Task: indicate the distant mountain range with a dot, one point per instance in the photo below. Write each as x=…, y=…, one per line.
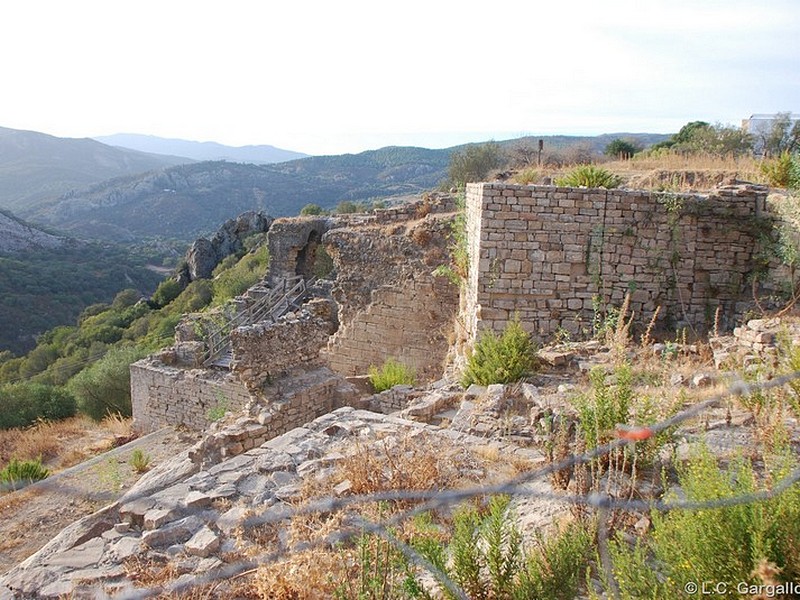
x=201, y=151
x=188, y=201
x=90, y=190
x=35, y=167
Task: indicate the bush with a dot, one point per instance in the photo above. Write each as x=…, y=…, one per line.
x=724, y=544
x=22, y=404
x=392, y=373
x=488, y=559
x=589, y=176
x=105, y=387
x=500, y=359
x=19, y=473
x=166, y=292
x=783, y=172
x=474, y=163
x=312, y=209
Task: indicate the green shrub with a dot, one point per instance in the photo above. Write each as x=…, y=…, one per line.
x=166, y=292
x=554, y=566
x=487, y=558
x=589, y=176
x=725, y=544
x=392, y=373
x=312, y=209
x=19, y=473
x=474, y=163
x=105, y=387
x=22, y=404
x=237, y=279
x=783, y=171
x=500, y=359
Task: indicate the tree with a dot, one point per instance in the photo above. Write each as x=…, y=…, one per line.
x=474, y=163
x=701, y=137
x=783, y=136
x=622, y=149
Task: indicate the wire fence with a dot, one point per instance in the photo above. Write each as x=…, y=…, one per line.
x=430, y=500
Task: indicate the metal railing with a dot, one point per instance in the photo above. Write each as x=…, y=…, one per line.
x=280, y=299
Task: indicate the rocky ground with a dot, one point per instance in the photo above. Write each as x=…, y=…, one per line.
x=206, y=522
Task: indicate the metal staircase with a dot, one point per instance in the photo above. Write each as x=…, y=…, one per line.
x=284, y=297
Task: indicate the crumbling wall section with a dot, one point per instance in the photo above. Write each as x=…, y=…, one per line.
x=409, y=322
x=289, y=239
x=389, y=303
x=557, y=256
x=266, y=350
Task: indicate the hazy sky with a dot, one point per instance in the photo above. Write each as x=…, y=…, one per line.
x=345, y=76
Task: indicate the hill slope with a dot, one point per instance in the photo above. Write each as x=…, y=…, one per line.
x=260, y=154
x=18, y=236
x=35, y=166
x=190, y=200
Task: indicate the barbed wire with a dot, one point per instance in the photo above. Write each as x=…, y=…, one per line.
x=430, y=500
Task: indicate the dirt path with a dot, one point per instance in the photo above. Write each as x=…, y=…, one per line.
x=31, y=517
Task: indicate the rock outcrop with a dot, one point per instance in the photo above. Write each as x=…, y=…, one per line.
x=205, y=254
x=18, y=236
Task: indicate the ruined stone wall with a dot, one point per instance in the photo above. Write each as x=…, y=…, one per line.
x=163, y=395
x=553, y=255
x=409, y=322
x=265, y=351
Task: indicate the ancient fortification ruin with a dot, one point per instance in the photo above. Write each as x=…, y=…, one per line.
x=555, y=258
x=287, y=359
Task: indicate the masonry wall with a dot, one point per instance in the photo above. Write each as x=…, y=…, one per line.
x=409, y=322
x=264, y=351
x=554, y=255
x=162, y=395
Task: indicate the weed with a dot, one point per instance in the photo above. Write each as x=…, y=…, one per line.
x=217, y=412
x=139, y=461
x=19, y=473
x=458, y=269
x=110, y=474
x=392, y=373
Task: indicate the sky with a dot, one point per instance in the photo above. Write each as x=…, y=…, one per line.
x=326, y=77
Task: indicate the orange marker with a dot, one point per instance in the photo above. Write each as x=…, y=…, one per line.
x=635, y=434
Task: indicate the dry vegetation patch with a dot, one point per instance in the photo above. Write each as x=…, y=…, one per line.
x=414, y=461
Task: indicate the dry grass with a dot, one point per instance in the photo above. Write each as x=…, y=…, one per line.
x=61, y=444
x=665, y=172
x=309, y=575
x=44, y=439
x=404, y=462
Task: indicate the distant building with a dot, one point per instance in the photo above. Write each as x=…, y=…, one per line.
x=760, y=126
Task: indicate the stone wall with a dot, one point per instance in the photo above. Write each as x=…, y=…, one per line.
x=266, y=350
x=554, y=255
x=409, y=322
x=163, y=395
